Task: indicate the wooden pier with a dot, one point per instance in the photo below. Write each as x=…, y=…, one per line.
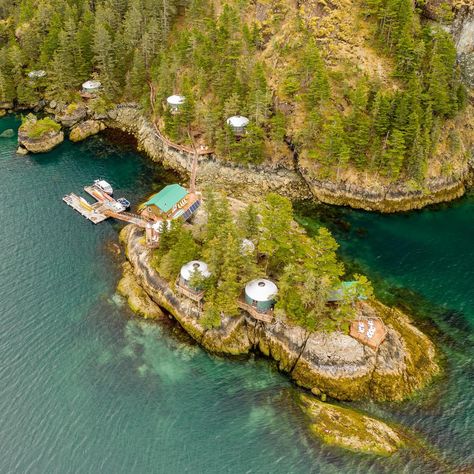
x=104, y=207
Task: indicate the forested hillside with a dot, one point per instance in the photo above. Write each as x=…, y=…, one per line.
x=364, y=87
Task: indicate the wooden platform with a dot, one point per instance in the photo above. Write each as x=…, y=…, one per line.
x=89, y=211
x=192, y=295
x=266, y=317
x=369, y=331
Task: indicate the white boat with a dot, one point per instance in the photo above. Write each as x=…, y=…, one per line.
x=103, y=186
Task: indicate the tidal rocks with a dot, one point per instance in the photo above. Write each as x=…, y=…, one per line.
x=333, y=364
x=137, y=299
x=71, y=115
x=350, y=429
x=3, y=113
x=39, y=136
x=21, y=151
x=85, y=129
x=9, y=133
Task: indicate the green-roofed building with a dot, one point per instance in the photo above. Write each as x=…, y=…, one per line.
x=167, y=201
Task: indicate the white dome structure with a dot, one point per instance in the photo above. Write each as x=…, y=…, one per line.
x=37, y=74
x=91, y=86
x=238, y=123
x=189, y=268
x=261, y=290
x=176, y=100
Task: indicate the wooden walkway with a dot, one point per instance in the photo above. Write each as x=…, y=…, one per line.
x=176, y=146
x=266, y=317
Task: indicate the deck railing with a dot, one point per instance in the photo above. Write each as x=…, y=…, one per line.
x=266, y=317
x=196, y=296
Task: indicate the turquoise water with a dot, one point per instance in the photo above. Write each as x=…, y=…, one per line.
x=86, y=388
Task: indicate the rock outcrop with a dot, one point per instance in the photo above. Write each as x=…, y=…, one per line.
x=349, y=429
x=86, y=129
x=71, y=115
x=43, y=140
x=331, y=363
x=463, y=33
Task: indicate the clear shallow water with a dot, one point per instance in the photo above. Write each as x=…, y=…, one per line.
x=86, y=388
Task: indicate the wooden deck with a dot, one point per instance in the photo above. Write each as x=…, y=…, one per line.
x=369, y=331
x=192, y=295
x=266, y=317
x=177, y=146
x=89, y=211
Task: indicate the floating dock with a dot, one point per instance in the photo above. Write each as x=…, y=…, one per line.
x=84, y=208
x=104, y=207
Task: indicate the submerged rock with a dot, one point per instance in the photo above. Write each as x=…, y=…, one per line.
x=86, y=129
x=3, y=113
x=9, y=133
x=350, y=429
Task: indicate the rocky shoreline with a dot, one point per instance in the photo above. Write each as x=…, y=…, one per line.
x=327, y=364
x=334, y=364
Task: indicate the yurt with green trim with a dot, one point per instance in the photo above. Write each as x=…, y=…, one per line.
x=261, y=294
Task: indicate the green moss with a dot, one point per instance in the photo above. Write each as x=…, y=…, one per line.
x=349, y=429
x=38, y=128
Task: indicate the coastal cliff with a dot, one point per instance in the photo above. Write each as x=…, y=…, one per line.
x=295, y=182
x=331, y=363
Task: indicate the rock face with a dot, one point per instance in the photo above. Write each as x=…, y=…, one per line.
x=349, y=429
x=334, y=364
x=85, y=129
x=463, y=32
x=391, y=198
x=241, y=182
x=41, y=144
x=137, y=299
x=296, y=183
x=71, y=115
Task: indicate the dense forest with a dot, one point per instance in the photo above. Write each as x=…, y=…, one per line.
x=306, y=269
x=376, y=106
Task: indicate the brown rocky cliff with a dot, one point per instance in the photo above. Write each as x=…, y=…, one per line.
x=334, y=363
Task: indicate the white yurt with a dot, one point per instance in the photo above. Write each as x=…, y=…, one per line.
x=238, y=124
x=175, y=102
x=188, y=269
x=261, y=294
x=91, y=86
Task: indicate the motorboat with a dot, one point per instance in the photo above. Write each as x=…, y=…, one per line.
x=125, y=202
x=103, y=186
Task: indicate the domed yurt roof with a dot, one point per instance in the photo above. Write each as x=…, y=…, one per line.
x=261, y=290
x=37, y=74
x=190, y=267
x=91, y=84
x=175, y=99
x=238, y=121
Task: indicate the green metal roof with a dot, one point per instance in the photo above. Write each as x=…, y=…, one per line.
x=167, y=197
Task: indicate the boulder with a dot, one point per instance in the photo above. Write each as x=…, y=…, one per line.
x=21, y=151
x=3, y=113
x=71, y=115
x=39, y=136
x=85, y=129
x=9, y=133
x=349, y=429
